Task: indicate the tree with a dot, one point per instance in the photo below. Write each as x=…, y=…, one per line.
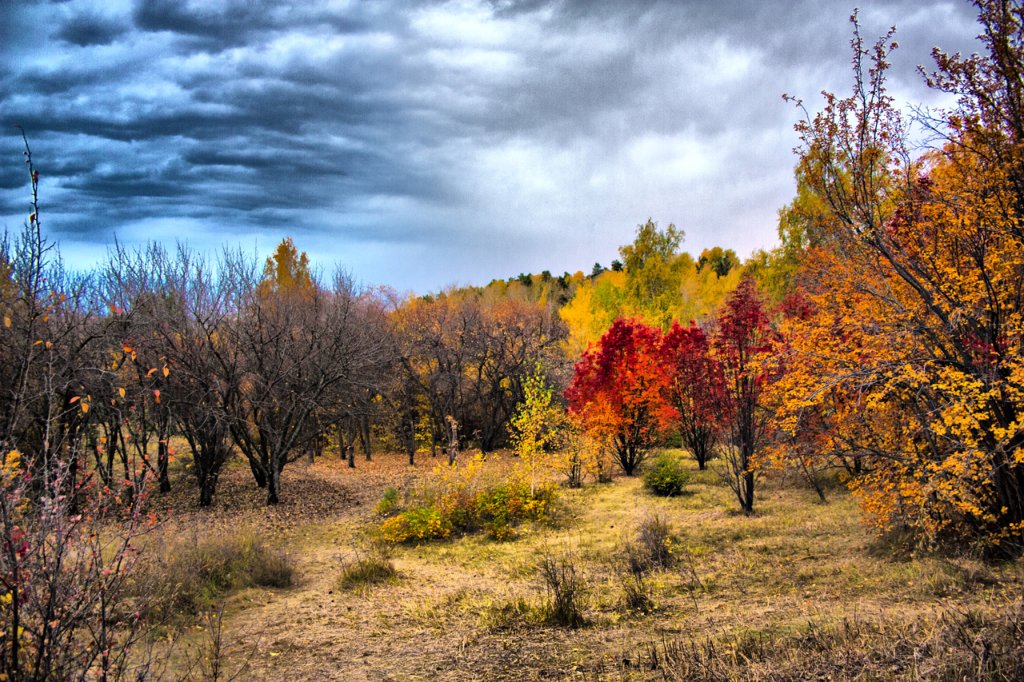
x=535, y=426
x=919, y=274
x=67, y=544
x=654, y=269
x=469, y=357
x=720, y=261
x=618, y=391
x=299, y=344
x=694, y=388
x=743, y=347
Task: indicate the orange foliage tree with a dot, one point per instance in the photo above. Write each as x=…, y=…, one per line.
x=912, y=361
x=618, y=391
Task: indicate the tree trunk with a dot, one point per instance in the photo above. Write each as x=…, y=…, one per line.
x=258, y=473
x=163, y=457
x=748, y=493
x=274, y=485
x=206, y=488
x=364, y=436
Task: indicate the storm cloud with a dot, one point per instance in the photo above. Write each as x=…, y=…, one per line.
x=424, y=144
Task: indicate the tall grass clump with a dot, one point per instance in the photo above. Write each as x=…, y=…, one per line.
x=371, y=566
x=566, y=588
x=650, y=550
x=191, y=576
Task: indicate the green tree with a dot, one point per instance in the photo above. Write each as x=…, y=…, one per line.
x=654, y=269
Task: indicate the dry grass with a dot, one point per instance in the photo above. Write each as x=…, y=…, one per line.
x=756, y=591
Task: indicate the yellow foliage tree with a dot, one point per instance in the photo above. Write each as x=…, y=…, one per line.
x=909, y=359
x=535, y=426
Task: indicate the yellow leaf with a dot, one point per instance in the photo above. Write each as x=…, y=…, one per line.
x=166, y=371
x=120, y=391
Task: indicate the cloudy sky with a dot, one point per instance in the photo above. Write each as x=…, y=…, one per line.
x=422, y=144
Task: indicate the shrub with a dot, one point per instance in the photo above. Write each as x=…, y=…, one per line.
x=651, y=550
x=654, y=542
x=418, y=523
x=389, y=503
x=566, y=589
x=462, y=503
x=666, y=476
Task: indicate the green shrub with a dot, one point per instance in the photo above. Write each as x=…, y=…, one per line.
x=389, y=503
x=666, y=476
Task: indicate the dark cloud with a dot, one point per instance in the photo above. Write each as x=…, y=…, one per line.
x=426, y=143
x=88, y=29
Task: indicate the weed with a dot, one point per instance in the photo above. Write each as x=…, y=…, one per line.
x=566, y=590
x=190, y=577
x=372, y=566
x=957, y=644
x=654, y=542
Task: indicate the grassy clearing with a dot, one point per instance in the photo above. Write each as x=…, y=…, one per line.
x=740, y=598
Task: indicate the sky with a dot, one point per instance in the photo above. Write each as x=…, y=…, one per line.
x=421, y=145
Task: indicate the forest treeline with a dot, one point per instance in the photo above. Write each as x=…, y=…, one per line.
x=892, y=312
x=881, y=338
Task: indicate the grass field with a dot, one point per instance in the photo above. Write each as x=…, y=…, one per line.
x=800, y=590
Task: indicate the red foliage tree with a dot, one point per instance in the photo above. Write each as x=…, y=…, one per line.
x=694, y=388
x=618, y=391
x=745, y=347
